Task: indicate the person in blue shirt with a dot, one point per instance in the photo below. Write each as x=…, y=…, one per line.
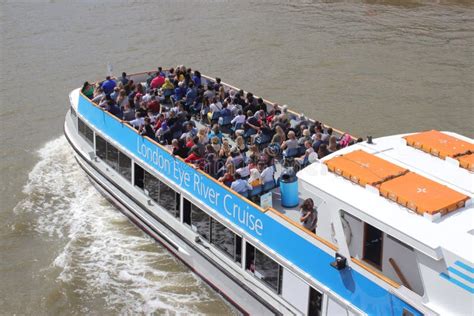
x=191, y=95
x=124, y=80
x=113, y=109
x=108, y=85
x=179, y=92
x=239, y=185
x=225, y=110
x=216, y=132
x=197, y=78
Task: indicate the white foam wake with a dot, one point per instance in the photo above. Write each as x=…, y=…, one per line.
x=104, y=255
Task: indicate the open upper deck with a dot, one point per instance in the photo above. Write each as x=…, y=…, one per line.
x=452, y=232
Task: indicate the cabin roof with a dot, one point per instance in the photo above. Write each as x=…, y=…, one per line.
x=450, y=185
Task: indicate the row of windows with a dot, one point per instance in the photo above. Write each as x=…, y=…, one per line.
x=262, y=266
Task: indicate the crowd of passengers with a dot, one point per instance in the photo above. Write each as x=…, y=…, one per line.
x=231, y=135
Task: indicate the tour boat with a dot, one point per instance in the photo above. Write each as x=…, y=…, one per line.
x=395, y=230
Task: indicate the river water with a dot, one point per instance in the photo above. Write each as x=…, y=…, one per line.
x=373, y=67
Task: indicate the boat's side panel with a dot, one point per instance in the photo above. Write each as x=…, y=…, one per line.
x=225, y=283
x=349, y=284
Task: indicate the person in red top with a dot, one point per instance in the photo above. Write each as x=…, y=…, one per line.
x=157, y=82
x=159, y=121
x=189, y=142
x=194, y=156
x=154, y=105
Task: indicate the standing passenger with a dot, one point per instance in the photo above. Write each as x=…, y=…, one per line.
x=309, y=216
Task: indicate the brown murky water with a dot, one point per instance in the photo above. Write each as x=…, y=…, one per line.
x=368, y=67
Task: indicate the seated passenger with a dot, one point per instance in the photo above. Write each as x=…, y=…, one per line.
x=264, y=134
x=305, y=137
x=88, y=90
x=215, y=144
x=225, y=112
x=236, y=157
x=128, y=113
x=323, y=151
x=190, y=131
x=255, y=178
x=124, y=80
x=239, y=185
x=291, y=142
x=197, y=78
x=146, y=129
x=229, y=174
x=252, y=124
x=225, y=149
x=113, y=109
x=267, y=173
x=178, y=148
x=193, y=156
x=122, y=99
x=317, y=141
x=202, y=134
x=333, y=145
x=238, y=120
x=345, y=140
x=209, y=94
x=309, y=216
x=154, y=104
x=325, y=136
x=304, y=159
x=279, y=136
x=179, y=92
x=167, y=89
x=98, y=94
x=240, y=144
x=191, y=95
x=157, y=82
x=216, y=132
x=214, y=108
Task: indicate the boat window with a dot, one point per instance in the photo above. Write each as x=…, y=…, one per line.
x=264, y=268
x=112, y=156
x=151, y=185
x=373, y=242
x=85, y=131
x=125, y=166
x=224, y=239
x=201, y=222
x=315, y=302
x=73, y=112
x=186, y=211
x=100, y=147
x=139, y=175
x=169, y=199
